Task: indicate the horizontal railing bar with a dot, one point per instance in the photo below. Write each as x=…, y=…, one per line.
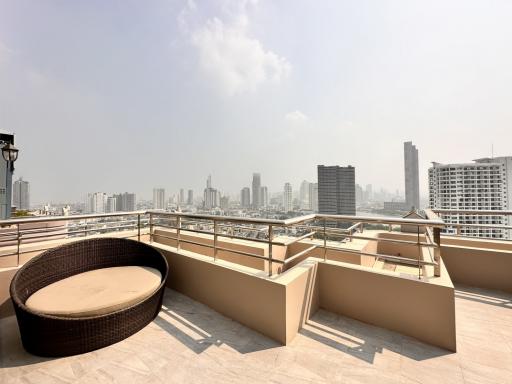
x=221, y=235
x=476, y=212
x=299, y=238
x=382, y=256
x=382, y=220
x=249, y=254
x=397, y=241
x=40, y=219
x=301, y=253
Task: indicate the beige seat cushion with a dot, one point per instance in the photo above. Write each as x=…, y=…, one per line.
x=96, y=292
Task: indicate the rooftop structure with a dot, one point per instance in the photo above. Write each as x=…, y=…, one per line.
x=260, y=300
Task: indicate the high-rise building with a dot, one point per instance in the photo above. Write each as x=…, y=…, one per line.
x=96, y=202
x=159, y=198
x=190, y=197
x=412, y=181
x=359, y=194
x=224, y=202
x=182, y=196
x=304, y=195
x=211, y=195
x=21, y=194
x=264, y=196
x=368, y=193
x=125, y=202
x=111, y=204
x=336, y=190
x=256, y=190
x=245, y=197
x=313, y=196
x=287, y=197
x=485, y=184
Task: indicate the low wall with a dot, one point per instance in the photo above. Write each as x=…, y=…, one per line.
x=478, y=267
x=276, y=308
x=415, y=308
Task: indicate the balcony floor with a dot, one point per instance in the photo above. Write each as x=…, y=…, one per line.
x=191, y=343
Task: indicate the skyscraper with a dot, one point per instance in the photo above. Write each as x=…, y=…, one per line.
x=190, y=197
x=256, y=190
x=304, y=195
x=125, y=202
x=245, y=197
x=159, y=198
x=336, y=190
x=182, y=196
x=111, y=204
x=96, y=202
x=313, y=196
x=287, y=197
x=485, y=184
x=264, y=196
x=21, y=194
x=412, y=182
x=211, y=195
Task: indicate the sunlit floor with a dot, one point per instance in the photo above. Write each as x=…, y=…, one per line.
x=191, y=343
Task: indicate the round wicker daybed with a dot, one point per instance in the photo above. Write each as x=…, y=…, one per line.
x=47, y=330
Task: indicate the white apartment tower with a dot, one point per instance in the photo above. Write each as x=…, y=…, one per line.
x=287, y=198
x=158, y=198
x=21, y=194
x=485, y=184
x=412, y=181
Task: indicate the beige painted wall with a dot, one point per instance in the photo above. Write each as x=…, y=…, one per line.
x=415, y=308
x=479, y=267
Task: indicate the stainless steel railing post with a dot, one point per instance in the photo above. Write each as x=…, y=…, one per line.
x=150, y=227
x=270, y=239
x=138, y=227
x=19, y=243
x=325, y=242
x=214, y=240
x=178, y=232
x=437, y=252
x=86, y=229
x=419, y=252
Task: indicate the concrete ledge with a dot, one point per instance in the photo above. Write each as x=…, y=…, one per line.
x=415, y=308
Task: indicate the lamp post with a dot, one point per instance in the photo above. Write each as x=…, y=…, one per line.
x=10, y=155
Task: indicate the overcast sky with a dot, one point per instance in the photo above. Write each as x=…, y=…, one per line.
x=127, y=95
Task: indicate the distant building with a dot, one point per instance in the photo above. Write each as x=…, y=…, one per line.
x=485, y=184
x=21, y=194
x=396, y=206
x=245, y=197
x=111, y=204
x=159, y=198
x=368, y=193
x=264, y=196
x=125, y=202
x=256, y=190
x=359, y=194
x=224, y=202
x=96, y=202
x=182, y=196
x=313, y=196
x=211, y=195
x=336, y=190
x=190, y=197
x=412, y=181
x=304, y=202
x=287, y=198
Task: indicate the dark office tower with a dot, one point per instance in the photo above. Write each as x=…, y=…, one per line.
x=412, y=182
x=256, y=190
x=336, y=190
x=190, y=197
x=245, y=197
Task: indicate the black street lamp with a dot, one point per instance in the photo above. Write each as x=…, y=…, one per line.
x=10, y=154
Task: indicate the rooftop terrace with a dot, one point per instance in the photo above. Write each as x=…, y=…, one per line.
x=296, y=301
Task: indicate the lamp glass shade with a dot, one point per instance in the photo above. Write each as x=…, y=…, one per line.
x=10, y=153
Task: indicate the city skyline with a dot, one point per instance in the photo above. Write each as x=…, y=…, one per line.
x=347, y=100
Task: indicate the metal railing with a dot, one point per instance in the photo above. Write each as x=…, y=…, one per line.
x=325, y=231
x=460, y=228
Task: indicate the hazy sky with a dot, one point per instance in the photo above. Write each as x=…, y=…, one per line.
x=127, y=95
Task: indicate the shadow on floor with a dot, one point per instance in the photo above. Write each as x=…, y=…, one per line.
x=199, y=327
x=484, y=296
x=12, y=353
x=364, y=341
